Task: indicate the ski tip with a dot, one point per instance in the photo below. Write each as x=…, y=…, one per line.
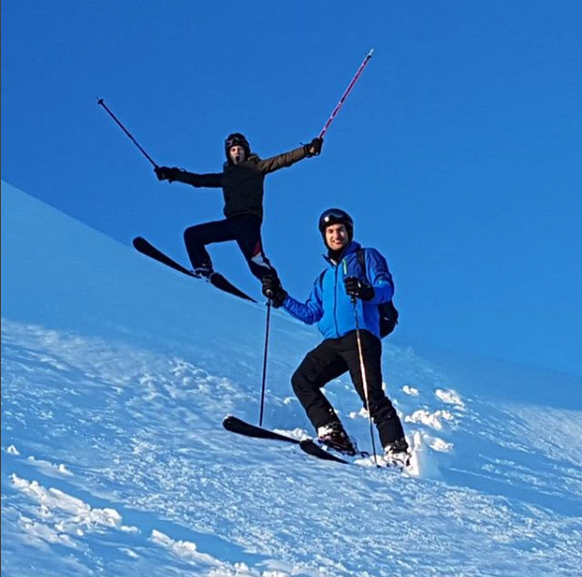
x=371, y=53
x=229, y=419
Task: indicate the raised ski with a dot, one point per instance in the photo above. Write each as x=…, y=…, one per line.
x=216, y=279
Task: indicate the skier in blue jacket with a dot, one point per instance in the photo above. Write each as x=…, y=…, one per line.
x=331, y=305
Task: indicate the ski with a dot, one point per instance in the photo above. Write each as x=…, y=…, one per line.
x=308, y=446
x=236, y=425
x=148, y=249
x=312, y=448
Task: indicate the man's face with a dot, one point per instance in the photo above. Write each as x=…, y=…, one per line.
x=237, y=154
x=336, y=236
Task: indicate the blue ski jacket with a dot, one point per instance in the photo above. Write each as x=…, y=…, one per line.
x=330, y=306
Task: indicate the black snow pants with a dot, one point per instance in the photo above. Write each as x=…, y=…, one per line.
x=245, y=230
x=332, y=358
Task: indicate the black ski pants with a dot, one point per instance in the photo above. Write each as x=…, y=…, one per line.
x=245, y=230
x=334, y=357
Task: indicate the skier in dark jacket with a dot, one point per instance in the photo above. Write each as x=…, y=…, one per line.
x=242, y=183
x=342, y=287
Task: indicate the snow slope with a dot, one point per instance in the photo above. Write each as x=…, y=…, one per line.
x=116, y=373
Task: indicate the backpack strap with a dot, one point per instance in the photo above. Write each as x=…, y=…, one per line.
x=361, y=256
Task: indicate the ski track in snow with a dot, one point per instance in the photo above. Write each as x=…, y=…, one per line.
x=115, y=453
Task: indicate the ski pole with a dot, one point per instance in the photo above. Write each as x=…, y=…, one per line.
x=363, y=370
x=268, y=323
x=364, y=380
x=101, y=102
x=346, y=93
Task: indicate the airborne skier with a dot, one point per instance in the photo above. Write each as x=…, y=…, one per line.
x=242, y=183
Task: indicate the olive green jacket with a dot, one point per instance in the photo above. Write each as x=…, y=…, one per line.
x=242, y=184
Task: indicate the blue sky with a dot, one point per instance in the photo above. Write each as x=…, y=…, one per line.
x=457, y=153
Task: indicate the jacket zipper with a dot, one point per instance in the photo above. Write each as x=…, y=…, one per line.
x=335, y=302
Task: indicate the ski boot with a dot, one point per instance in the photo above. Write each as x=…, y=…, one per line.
x=334, y=437
x=204, y=271
x=397, y=454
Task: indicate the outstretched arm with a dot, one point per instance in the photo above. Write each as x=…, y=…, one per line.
x=288, y=158
x=212, y=180
x=308, y=312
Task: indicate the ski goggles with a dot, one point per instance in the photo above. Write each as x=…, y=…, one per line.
x=236, y=141
x=334, y=216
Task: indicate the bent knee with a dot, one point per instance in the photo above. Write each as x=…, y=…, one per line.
x=300, y=382
x=192, y=233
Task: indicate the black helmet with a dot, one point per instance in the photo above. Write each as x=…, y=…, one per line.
x=336, y=216
x=236, y=139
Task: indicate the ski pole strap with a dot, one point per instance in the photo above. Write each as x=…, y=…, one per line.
x=346, y=93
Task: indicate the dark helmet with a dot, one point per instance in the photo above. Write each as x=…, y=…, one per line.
x=336, y=216
x=236, y=139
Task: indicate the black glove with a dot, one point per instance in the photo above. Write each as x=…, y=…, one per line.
x=356, y=288
x=273, y=290
x=314, y=147
x=166, y=173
